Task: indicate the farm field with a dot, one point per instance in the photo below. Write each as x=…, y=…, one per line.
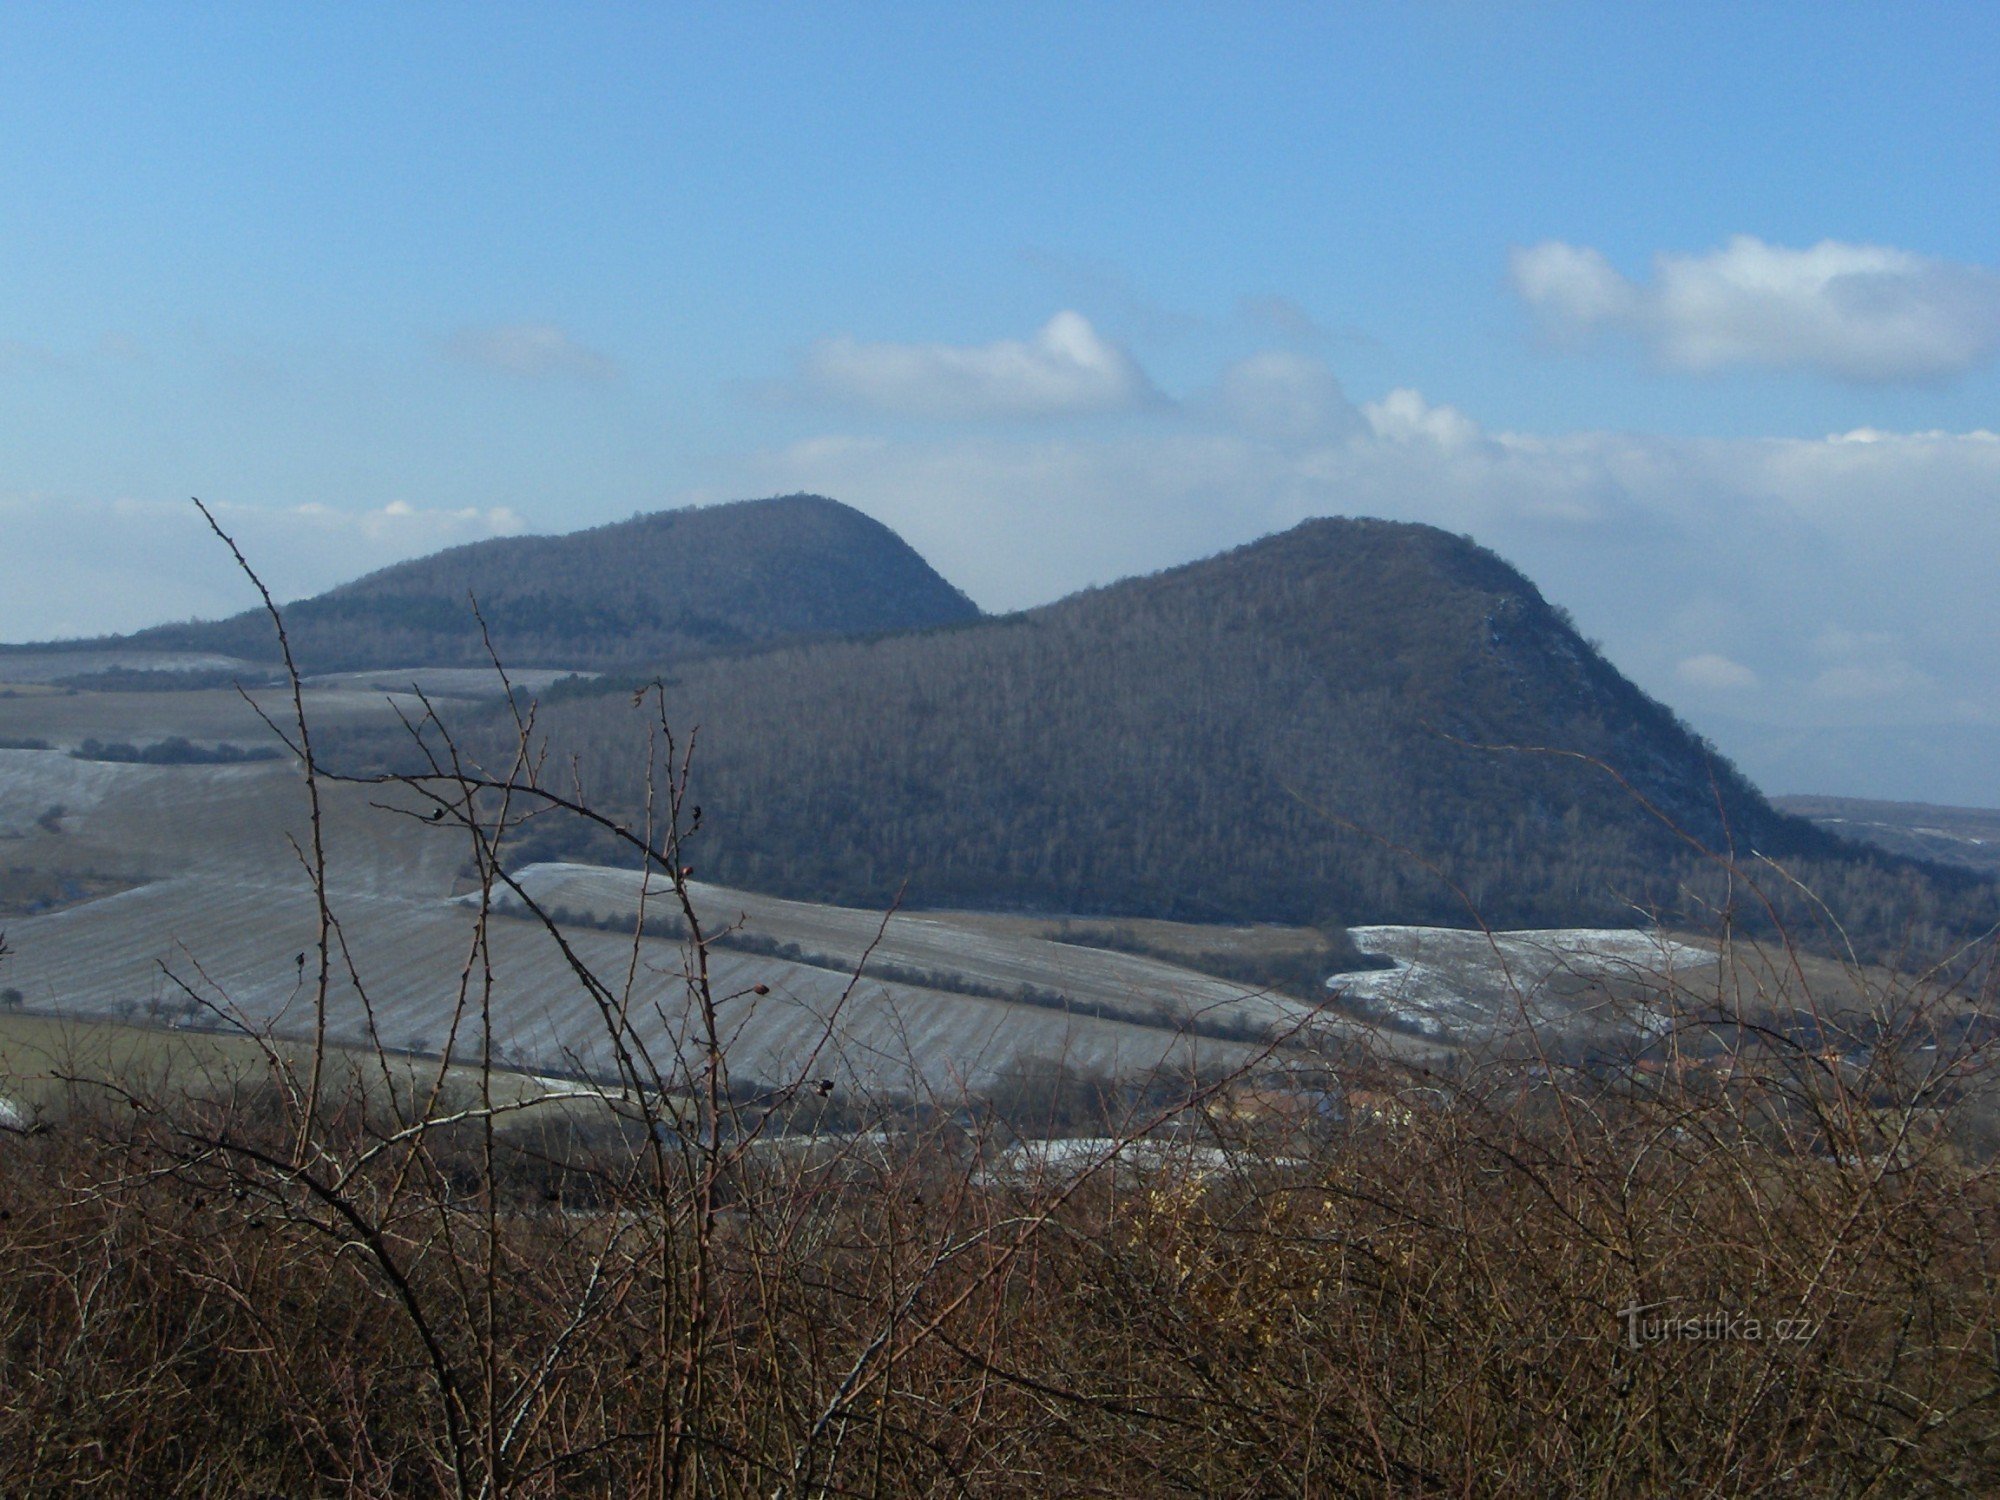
x=157, y=893
x=940, y=943
x=205, y=716
x=48, y=1062
x=1968, y=836
x=28, y=664
x=1475, y=986
x=447, y=682
x=219, y=910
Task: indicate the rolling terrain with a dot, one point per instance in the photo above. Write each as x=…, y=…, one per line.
x=1968, y=836
x=218, y=909
x=1352, y=722
x=1162, y=825
x=635, y=593
x=208, y=911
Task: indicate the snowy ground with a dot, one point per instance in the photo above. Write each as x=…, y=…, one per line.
x=448, y=682
x=205, y=716
x=220, y=909
x=224, y=910
x=48, y=666
x=939, y=943
x=1472, y=985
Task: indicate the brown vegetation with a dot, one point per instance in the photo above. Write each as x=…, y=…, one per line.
x=1298, y=731
x=1423, y=1291
x=1740, y=1261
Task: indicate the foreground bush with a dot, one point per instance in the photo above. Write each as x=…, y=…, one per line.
x=1755, y=1255
x=1434, y=1296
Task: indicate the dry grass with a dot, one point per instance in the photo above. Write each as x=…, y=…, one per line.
x=1426, y=1302
x=1732, y=1266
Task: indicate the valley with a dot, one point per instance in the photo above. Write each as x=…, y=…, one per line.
x=1314, y=916
x=1159, y=828
x=196, y=905
x=1967, y=836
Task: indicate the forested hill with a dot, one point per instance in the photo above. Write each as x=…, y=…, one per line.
x=1292, y=730
x=652, y=589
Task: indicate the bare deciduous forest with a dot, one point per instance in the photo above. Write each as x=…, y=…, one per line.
x=1352, y=721
x=651, y=589
x=1738, y=1259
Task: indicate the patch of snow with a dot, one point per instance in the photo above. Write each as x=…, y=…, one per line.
x=1067, y=1158
x=1455, y=982
x=33, y=781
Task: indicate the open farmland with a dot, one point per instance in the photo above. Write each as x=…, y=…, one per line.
x=180, y=897
x=1968, y=836
x=1476, y=986
x=940, y=944
x=50, y=1064
x=20, y=665
x=205, y=716
x=448, y=682
x=220, y=910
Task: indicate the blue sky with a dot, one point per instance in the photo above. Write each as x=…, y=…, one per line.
x=1060, y=292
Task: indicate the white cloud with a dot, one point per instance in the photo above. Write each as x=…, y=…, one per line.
x=1721, y=574
x=532, y=351
x=1067, y=368
x=156, y=560
x=1573, y=288
x=1404, y=416
x=1289, y=398
x=1857, y=312
x=1711, y=671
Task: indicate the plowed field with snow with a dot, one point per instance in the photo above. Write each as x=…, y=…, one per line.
x=212, y=907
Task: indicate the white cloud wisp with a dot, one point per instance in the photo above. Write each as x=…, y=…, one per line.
x=1863, y=313
x=1066, y=369
x=156, y=560
x=531, y=351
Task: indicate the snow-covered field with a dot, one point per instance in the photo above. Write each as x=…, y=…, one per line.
x=936, y=942
x=48, y=666
x=1065, y=1159
x=226, y=909
x=448, y=682
x=206, y=716
x=1471, y=986
x=220, y=908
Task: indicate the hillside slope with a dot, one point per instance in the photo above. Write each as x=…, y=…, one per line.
x=1968, y=836
x=1292, y=731
x=652, y=589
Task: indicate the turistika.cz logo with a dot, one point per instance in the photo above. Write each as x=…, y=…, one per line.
x=1710, y=1327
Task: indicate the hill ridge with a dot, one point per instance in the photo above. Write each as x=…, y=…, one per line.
x=656, y=587
x=1287, y=731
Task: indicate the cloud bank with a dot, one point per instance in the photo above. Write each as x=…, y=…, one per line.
x=155, y=560
x=1823, y=586
x=1865, y=313
x=1066, y=369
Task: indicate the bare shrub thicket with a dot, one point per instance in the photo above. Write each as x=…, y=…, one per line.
x=1750, y=1256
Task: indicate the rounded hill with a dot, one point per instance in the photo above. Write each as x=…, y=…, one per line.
x=654, y=588
x=1355, y=720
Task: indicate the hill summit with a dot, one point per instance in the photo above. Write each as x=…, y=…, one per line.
x=1302, y=728
x=654, y=588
